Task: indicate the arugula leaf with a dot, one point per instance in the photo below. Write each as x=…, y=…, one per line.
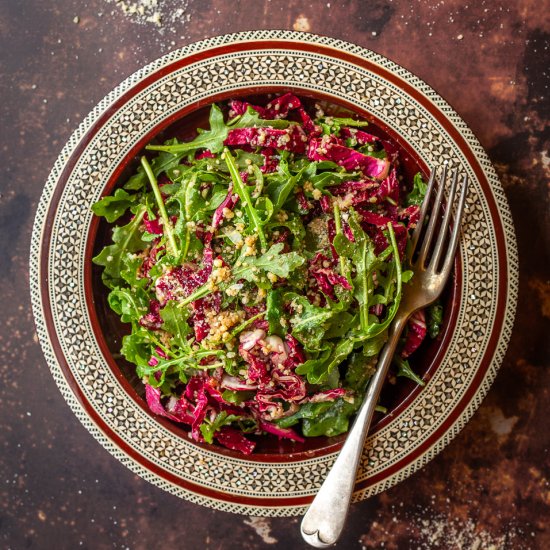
x=296, y=164
x=326, y=179
x=435, y=319
x=189, y=197
x=271, y=261
x=250, y=266
x=341, y=241
x=166, y=223
x=326, y=165
x=274, y=312
x=376, y=329
x=330, y=421
x=130, y=304
x=372, y=346
x=216, y=198
x=212, y=139
x=189, y=361
x=251, y=118
x=175, y=323
x=341, y=323
x=192, y=207
x=238, y=329
x=418, y=192
x=258, y=180
x=309, y=322
x=370, y=152
x=243, y=159
x=320, y=371
x=137, y=347
x=163, y=162
x=332, y=125
x=361, y=252
x=405, y=370
x=241, y=190
x=203, y=169
x=237, y=397
x=309, y=410
x=316, y=358
x=294, y=223
x=130, y=269
x=358, y=373
x=264, y=208
x=282, y=183
x=209, y=428
x=393, y=283
x=126, y=239
x=114, y=206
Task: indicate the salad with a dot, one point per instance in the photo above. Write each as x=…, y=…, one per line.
x=259, y=266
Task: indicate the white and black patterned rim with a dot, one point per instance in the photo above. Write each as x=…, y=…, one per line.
x=262, y=60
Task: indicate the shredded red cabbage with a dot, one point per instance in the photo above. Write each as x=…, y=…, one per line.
x=416, y=332
x=247, y=285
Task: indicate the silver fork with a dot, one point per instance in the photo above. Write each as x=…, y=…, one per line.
x=325, y=518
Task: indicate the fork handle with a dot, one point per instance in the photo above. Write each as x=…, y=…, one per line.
x=325, y=518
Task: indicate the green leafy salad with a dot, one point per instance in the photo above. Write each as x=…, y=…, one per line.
x=259, y=266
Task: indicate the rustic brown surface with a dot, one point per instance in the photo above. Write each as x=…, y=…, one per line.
x=489, y=487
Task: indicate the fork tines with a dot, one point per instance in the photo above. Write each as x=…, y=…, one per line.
x=429, y=257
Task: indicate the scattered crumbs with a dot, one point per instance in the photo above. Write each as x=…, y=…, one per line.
x=76, y=19
x=544, y=157
x=501, y=425
x=161, y=13
x=301, y=24
x=460, y=37
x=445, y=533
x=262, y=528
x=374, y=33
x=431, y=530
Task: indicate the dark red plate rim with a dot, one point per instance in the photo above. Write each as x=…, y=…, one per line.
x=45, y=247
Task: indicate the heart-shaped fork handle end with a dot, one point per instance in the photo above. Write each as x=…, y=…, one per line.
x=319, y=529
x=314, y=540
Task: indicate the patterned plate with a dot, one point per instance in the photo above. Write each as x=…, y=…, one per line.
x=108, y=140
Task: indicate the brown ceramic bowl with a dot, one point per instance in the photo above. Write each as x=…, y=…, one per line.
x=110, y=330
x=81, y=336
